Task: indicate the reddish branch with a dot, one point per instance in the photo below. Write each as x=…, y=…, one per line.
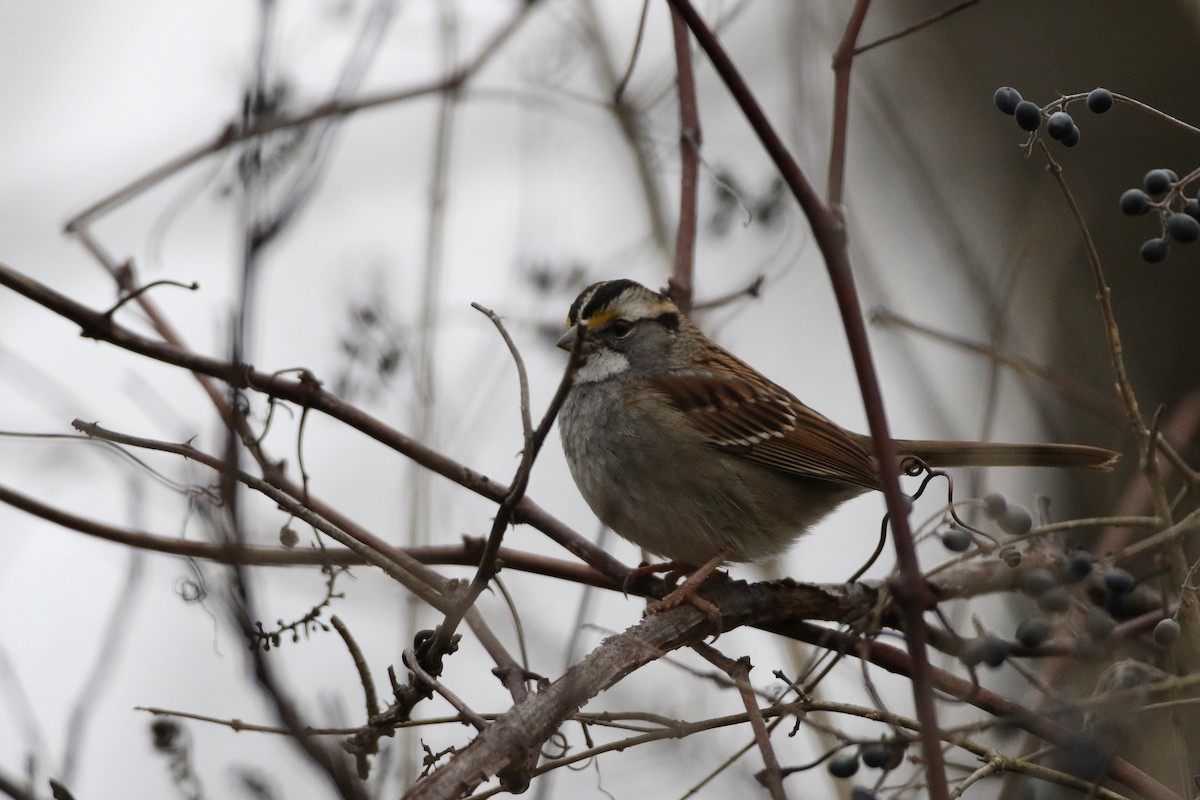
x=682, y=285
x=830, y=234
x=843, y=61
x=465, y=554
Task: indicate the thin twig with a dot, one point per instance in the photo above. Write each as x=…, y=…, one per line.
x=739, y=672
x=107, y=656
x=753, y=289
x=466, y=554
x=522, y=374
x=627, y=115
x=1112, y=332
x=925, y=23
x=412, y=662
x=432, y=652
x=136, y=293
x=1138, y=104
x=843, y=62
x=633, y=56
x=360, y=664
x=1103, y=404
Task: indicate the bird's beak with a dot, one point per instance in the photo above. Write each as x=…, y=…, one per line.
x=567, y=340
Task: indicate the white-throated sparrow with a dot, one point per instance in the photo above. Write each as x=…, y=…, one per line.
x=680, y=447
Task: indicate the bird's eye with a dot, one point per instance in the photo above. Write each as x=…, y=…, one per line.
x=621, y=328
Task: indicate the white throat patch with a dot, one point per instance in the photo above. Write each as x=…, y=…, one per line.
x=602, y=364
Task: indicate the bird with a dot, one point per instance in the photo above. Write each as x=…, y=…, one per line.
x=684, y=449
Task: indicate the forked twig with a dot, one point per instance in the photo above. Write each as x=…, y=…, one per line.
x=432, y=650
x=738, y=671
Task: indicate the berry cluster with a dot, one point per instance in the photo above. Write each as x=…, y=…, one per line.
x=1179, y=214
x=884, y=755
x=1060, y=125
x=1013, y=518
x=1051, y=591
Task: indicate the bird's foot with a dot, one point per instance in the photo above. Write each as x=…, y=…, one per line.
x=686, y=592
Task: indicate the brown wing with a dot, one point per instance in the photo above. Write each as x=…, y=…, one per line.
x=743, y=413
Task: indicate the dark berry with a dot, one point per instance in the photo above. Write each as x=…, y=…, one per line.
x=1079, y=566
x=994, y=505
x=1183, y=227
x=898, y=750
x=1122, y=605
x=1036, y=582
x=1158, y=181
x=1154, y=250
x=1028, y=115
x=995, y=651
x=1055, y=601
x=1016, y=520
x=876, y=754
x=1192, y=208
x=1034, y=631
x=1098, y=623
x=971, y=652
x=988, y=650
x=1072, y=138
x=843, y=766
x=957, y=539
x=861, y=793
x=1099, y=101
x=1006, y=98
x=1172, y=175
x=1059, y=125
x=1118, y=581
x=1134, y=202
x=1166, y=632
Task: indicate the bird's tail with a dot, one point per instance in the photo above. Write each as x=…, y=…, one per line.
x=988, y=454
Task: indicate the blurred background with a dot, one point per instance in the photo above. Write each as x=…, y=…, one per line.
x=554, y=165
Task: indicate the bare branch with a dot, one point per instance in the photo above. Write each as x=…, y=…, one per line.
x=682, y=284
x=307, y=392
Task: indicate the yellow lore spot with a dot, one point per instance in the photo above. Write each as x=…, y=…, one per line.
x=602, y=317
